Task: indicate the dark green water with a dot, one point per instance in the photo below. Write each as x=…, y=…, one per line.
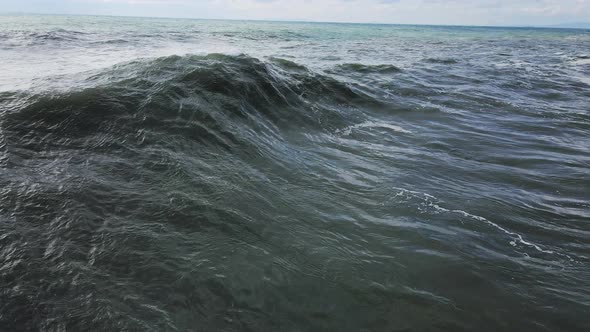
x=182, y=175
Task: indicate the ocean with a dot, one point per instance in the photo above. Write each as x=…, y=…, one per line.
x=202, y=175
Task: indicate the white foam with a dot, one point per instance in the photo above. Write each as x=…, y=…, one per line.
x=431, y=201
x=518, y=238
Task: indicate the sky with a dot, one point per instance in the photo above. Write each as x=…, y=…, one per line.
x=453, y=12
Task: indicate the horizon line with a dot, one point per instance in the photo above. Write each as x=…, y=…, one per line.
x=584, y=25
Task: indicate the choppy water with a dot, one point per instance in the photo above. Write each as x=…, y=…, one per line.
x=210, y=175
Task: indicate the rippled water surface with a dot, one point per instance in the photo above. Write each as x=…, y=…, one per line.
x=176, y=175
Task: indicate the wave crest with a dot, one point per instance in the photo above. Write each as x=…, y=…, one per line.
x=216, y=100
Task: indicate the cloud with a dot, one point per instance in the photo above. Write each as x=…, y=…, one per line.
x=479, y=12
x=416, y=11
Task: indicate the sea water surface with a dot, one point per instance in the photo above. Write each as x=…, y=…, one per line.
x=192, y=175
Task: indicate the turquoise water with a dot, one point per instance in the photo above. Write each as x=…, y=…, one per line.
x=190, y=175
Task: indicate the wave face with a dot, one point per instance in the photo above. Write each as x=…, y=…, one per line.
x=276, y=191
